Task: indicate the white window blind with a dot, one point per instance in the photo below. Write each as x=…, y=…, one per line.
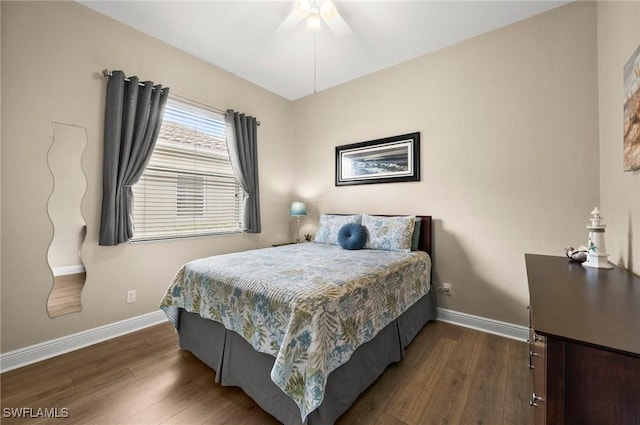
x=188, y=187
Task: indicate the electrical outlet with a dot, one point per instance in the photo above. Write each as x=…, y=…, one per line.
x=446, y=289
x=131, y=296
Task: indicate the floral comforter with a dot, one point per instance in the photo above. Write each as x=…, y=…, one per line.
x=309, y=305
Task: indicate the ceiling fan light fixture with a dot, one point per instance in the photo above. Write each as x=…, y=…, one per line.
x=327, y=10
x=301, y=8
x=314, y=21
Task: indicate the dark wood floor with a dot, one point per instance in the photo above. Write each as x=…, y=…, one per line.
x=451, y=375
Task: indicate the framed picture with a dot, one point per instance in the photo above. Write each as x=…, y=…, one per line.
x=631, y=150
x=388, y=160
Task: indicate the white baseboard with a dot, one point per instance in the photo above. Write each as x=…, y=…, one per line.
x=496, y=327
x=45, y=350
x=48, y=349
x=61, y=271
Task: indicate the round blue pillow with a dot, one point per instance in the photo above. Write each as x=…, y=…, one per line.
x=352, y=236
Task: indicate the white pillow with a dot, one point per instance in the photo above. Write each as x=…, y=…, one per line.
x=330, y=225
x=389, y=233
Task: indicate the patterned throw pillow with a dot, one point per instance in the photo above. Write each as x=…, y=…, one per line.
x=330, y=225
x=389, y=233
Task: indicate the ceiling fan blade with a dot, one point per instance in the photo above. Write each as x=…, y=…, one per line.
x=338, y=25
x=288, y=24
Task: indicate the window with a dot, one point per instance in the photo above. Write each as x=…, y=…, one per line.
x=188, y=187
x=190, y=196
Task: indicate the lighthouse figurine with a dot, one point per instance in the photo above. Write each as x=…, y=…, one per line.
x=596, y=251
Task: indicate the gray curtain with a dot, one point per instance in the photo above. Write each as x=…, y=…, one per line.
x=132, y=121
x=242, y=143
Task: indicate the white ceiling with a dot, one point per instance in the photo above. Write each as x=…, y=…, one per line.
x=240, y=36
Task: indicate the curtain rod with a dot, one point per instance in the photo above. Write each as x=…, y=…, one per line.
x=106, y=73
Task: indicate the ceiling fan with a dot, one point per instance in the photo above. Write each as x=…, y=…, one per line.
x=315, y=12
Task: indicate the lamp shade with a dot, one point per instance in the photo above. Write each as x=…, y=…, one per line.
x=298, y=209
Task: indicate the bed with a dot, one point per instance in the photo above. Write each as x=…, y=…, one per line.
x=304, y=329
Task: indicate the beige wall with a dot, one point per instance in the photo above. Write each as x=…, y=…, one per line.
x=52, y=53
x=521, y=137
x=618, y=37
x=509, y=127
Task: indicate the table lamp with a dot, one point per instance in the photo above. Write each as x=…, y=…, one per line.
x=298, y=209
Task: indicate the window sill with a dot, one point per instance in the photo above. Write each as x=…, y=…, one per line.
x=182, y=237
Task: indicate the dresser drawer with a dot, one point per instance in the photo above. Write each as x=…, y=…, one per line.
x=537, y=363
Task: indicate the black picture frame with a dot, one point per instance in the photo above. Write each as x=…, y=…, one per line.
x=389, y=160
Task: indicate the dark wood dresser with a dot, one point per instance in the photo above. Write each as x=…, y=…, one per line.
x=584, y=343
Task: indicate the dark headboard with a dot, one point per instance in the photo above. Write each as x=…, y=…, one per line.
x=425, y=243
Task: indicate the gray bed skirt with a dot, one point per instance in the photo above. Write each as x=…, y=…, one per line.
x=237, y=364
